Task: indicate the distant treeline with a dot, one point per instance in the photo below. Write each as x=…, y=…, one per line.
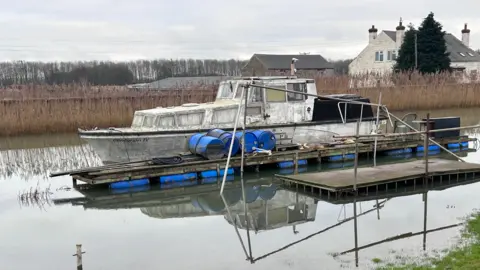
x=121, y=73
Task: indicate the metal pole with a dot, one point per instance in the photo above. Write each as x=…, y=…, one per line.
x=422, y=133
x=425, y=198
x=425, y=150
x=355, y=228
x=356, y=157
x=243, y=134
x=233, y=134
x=376, y=130
x=416, y=53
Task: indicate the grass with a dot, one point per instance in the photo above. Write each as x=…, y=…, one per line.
x=466, y=255
x=37, y=109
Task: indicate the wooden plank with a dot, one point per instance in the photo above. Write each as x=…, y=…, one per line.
x=343, y=179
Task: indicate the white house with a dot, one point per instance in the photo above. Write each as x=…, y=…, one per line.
x=381, y=51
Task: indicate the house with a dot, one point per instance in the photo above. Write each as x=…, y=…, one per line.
x=306, y=65
x=180, y=82
x=380, y=54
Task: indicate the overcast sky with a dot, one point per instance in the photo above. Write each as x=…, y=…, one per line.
x=145, y=29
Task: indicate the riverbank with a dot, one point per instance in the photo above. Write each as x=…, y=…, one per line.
x=56, y=109
x=465, y=255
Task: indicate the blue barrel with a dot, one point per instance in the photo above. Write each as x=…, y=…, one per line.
x=213, y=173
x=178, y=178
x=130, y=183
x=250, y=140
x=226, y=138
x=266, y=139
x=206, y=146
x=267, y=192
x=251, y=194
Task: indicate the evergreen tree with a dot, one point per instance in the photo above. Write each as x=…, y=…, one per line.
x=406, y=54
x=431, y=47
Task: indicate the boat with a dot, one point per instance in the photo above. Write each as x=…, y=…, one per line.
x=294, y=118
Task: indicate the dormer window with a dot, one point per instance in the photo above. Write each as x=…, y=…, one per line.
x=471, y=54
x=462, y=54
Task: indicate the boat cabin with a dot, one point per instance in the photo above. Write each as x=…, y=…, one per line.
x=264, y=107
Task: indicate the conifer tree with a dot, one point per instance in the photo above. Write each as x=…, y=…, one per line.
x=432, y=55
x=406, y=55
x=432, y=49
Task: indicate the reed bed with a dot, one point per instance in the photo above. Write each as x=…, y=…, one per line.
x=408, y=91
x=36, y=109
x=52, y=115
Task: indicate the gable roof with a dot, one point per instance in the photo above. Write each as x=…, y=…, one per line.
x=391, y=34
x=283, y=61
x=454, y=47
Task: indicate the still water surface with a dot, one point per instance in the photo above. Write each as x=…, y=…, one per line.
x=185, y=231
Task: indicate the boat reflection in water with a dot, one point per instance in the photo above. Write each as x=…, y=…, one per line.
x=269, y=206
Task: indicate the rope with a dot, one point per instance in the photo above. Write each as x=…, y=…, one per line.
x=167, y=160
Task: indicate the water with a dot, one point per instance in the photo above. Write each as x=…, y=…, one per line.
x=179, y=232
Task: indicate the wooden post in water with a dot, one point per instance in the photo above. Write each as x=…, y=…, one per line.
x=295, y=160
x=79, y=257
x=356, y=156
x=425, y=150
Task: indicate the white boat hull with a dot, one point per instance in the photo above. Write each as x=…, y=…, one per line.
x=126, y=147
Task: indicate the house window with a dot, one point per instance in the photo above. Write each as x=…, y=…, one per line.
x=462, y=54
x=471, y=54
x=379, y=56
x=392, y=55
x=299, y=87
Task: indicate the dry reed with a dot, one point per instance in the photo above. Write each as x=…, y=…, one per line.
x=35, y=197
x=35, y=109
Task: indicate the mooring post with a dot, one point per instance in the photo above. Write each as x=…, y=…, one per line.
x=356, y=157
x=376, y=130
x=295, y=160
x=425, y=150
x=425, y=199
x=79, y=257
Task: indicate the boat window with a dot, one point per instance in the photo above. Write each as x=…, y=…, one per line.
x=275, y=95
x=189, y=119
x=300, y=87
x=240, y=89
x=165, y=121
x=137, y=121
x=225, y=91
x=148, y=120
x=257, y=94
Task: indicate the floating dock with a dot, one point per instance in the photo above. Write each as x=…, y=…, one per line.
x=191, y=168
x=384, y=178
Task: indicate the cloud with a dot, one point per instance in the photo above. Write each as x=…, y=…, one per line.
x=122, y=30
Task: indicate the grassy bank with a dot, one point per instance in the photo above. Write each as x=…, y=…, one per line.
x=35, y=109
x=464, y=256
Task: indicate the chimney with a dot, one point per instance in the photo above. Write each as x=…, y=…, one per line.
x=466, y=36
x=400, y=34
x=372, y=34
x=292, y=67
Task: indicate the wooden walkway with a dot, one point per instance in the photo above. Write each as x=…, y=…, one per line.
x=148, y=169
x=383, y=177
